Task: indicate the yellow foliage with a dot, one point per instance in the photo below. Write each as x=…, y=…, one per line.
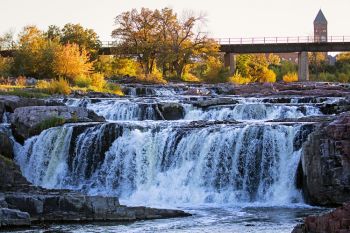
x=290, y=77
x=267, y=76
x=70, y=62
x=82, y=81
x=42, y=84
x=155, y=77
x=21, y=81
x=5, y=66
x=60, y=86
x=188, y=77
x=237, y=78
x=98, y=81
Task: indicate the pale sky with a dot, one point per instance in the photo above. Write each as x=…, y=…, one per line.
x=226, y=18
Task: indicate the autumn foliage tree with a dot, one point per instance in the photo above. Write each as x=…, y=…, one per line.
x=70, y=61
x=160, y=37
x=38, y=56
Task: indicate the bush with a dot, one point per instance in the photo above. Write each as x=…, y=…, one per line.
x=237, y=78
x=98, y=81
x=82, y=81
x=60, y=86
x=114, y=89
x=290, y=77
x=21, y=81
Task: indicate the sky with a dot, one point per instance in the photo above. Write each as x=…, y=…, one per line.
x=225, y=18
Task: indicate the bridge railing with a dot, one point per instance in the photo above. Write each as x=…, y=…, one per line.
x=264, y=40
x=281, y=40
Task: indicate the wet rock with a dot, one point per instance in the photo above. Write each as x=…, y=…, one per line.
x=171, y=111
x=13, y=218
x=337, y=221
x=10, y=175
x=9, y=103
x=5, y=145
x=326, y=163
x=213, y=102
x=30, y=121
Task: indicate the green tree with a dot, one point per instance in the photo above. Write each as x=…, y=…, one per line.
x=87, y=39
x=53, y=33
x=137, y=35
x=255, y=68
x=27, y=60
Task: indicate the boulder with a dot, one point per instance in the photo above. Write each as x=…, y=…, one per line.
x=337, y=221
x=215, y=101
x=326, y=163
x=171, y=111
x=13, y=218
x=30, y=121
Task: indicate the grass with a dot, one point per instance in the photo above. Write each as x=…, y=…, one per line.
x=22, y=92
x=49, y=123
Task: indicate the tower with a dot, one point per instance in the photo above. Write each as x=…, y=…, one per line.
x=320, y=28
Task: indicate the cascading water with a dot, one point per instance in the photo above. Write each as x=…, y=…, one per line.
x=147, y=109
x=177, y=164
x=202, y=161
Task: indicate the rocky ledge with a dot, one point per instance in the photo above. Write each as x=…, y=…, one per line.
x=29, y=121
x=22, y=204
x=325, y=172
x=337, y=221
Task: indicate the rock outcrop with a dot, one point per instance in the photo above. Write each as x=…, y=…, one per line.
x=22, y=204
x=326, y=163
x=30, y=121
x=171, y=111
x=10, y=103
x=10, y=175
x=5, y=145
x=13, y=218
x=337, y=221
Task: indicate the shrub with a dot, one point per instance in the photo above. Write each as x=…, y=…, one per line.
x=98, y=81
x=290, y=77
x=60, y=86
x=237, y=78
x=42, y=84
x=114, y=89
x=21, y=81
x=82, y=81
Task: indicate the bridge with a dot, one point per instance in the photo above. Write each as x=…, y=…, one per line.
x=254, y=45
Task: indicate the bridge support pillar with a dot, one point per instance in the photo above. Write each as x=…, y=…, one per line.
x=230, y=62
x=303, y=69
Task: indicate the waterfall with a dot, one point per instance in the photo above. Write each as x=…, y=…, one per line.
x=252, y=111
x=176, y=163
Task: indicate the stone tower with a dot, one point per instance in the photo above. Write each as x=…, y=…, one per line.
x=320, y=28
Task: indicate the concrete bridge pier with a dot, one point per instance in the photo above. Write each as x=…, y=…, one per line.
x=303, y=66
x=230, y=62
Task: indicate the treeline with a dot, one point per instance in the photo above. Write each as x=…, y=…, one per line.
x=151, y=45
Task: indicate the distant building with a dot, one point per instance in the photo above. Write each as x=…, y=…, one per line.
x=320, y=28
x=320, y=35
